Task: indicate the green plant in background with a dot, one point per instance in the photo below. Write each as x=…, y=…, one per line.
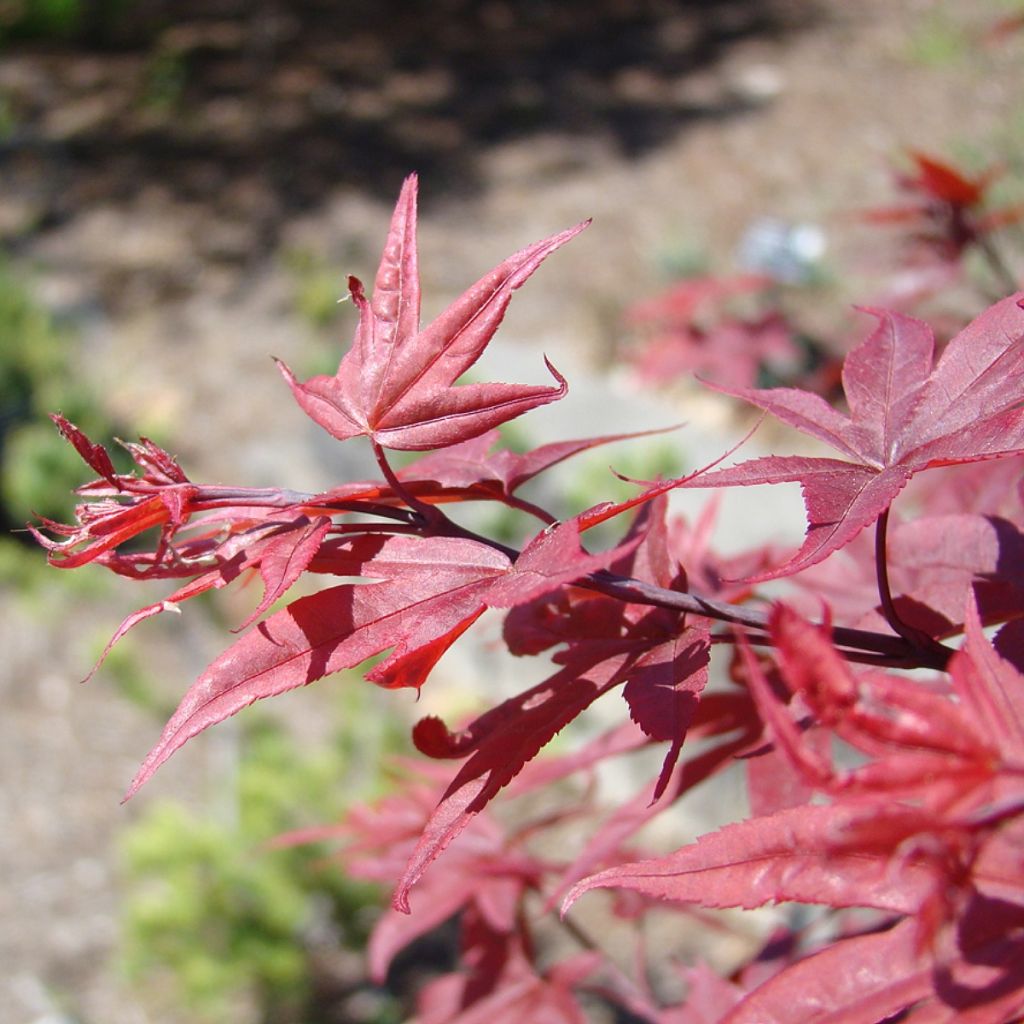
x=60, y=19
x=40, y=19
x=938, y=41
x=318, y=287
x=8, y=121
x=35, y=378
x=220, y=923
x=658, y=460
x=682, y=258
x=165, y=80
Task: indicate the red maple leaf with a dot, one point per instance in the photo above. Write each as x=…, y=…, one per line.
x=946, y=208
x=933, y=562
x=905, y=416
x=428, y=592
x=929, y=827
x=501, y=742
x=396, y=383
x=474, y=469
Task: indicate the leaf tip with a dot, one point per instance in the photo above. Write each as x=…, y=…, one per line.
x=571, y=897
x=563, y=384
x=285, y=371
x=400, y=900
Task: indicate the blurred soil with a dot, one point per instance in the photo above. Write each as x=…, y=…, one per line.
x=189, y=186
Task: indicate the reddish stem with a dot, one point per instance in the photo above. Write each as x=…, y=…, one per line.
x=916, y=638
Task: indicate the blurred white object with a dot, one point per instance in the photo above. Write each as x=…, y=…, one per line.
x=790, y=253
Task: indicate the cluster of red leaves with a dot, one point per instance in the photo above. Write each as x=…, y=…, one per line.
x=899, y=795
x=735, y=330
x=694, y=327
x=946, y=215
x=946, y=211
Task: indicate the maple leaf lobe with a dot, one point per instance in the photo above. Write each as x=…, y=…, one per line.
x=396, y=384
x=906, y=415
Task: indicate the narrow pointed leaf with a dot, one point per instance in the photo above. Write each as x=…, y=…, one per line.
x=285, y=558
x=535, y=717
x=791, y=855
x=992, y=688
x=663, y=691
x=94, y=455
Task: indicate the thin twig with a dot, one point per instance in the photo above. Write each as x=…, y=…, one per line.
x=638, y=1001
x=909, y=648
x=639, y=592
x=998, y=265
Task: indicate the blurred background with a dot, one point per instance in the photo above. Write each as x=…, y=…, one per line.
x=183, y=188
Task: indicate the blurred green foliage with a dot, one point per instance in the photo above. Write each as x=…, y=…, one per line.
x=607, y=477
x=319, y=287
x=41, y=18
x=38, y=469
x=937, y=40
x=165, y=80
x=60, y=19
x=8, y=122
x=218, y=922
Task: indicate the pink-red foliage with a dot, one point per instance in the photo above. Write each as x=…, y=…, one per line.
x=904, y=416
x=690, y=328
x=946, y=210
x=896, y=796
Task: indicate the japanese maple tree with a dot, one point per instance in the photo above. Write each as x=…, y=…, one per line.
x=892, y=799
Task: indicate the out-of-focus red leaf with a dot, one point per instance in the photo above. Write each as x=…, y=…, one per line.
x=509, y=736
x=944, y=182
x=679, y=303
x=486, y=876
x=866, y=978
x=523, y=995
x=607, y=844
x=688, y=329
x=732, y=354
x=709, y=998
x=1006, y=26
